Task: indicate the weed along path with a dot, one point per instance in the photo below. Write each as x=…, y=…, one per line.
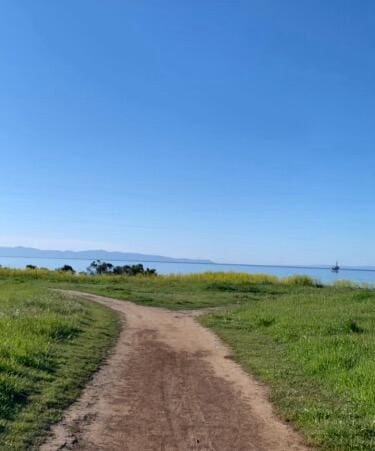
x=170, y=384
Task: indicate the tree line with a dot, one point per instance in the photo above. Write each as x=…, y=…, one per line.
x=97, y=267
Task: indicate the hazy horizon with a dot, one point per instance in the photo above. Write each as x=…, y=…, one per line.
x=172, y=257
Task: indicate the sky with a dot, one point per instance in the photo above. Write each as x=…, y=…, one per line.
x=240, y=131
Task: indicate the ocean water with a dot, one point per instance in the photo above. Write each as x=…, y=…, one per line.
x=325, y=275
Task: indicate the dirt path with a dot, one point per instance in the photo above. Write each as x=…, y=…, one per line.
x=170, y=385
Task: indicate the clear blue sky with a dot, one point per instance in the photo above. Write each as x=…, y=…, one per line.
x=241, y=131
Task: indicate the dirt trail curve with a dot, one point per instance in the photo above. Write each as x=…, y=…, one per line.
x=169, y=385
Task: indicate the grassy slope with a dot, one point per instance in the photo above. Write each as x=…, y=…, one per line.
x=316, y=350
x=182, y=292
x=174, y=292
x=314, y=346
x=49, y=347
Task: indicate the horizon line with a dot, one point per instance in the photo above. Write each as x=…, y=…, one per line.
x=192, y=262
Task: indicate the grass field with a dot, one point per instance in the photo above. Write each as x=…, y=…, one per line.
x=314, y=346
x=178, y=292
x=49, y=347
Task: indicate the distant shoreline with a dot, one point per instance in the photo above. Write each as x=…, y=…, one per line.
x=184, y=262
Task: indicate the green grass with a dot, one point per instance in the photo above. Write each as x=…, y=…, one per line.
x=316, y=350
x=175, y=292
x=313, y=345
x=49, y=347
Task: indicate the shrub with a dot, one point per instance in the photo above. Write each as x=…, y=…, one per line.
x=302, y=280
x=345, y=284
x=66, y=268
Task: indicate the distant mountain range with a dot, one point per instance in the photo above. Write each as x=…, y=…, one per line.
x=29, y=252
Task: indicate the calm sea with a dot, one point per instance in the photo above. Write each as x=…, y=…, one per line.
x=323, y=274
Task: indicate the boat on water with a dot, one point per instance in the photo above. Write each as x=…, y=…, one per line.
x=335, y=268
